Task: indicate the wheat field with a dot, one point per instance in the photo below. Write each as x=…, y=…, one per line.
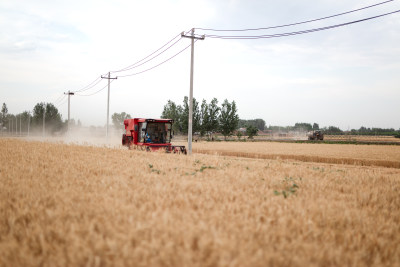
x=365, y=155
x=363, y=138
x=73, y=205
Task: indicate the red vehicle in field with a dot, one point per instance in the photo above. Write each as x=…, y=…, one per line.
x=150, y=135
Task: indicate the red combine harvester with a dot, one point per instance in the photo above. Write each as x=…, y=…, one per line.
x=150, y=135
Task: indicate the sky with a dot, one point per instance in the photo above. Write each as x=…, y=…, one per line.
x=347, y=77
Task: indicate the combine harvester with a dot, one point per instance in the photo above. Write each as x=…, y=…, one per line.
x=315, y=135
x=150, y=135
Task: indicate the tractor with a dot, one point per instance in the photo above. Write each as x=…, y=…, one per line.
x=315, y=135
x=150, y=135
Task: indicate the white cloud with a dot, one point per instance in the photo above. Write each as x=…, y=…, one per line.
x=48, y=47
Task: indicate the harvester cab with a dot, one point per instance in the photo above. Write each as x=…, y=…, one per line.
x=150, y=135
x=315, y=135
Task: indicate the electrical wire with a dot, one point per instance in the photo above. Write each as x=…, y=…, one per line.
x=96, y=91
x=90, y=85
x=150, y=57
x=134, y=64
x=157, y=64
x=62, y=103
x=297, y=23
x=59, y=99
x=297, y=32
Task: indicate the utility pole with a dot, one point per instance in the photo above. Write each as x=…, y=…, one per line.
x=191, y=88
x=69, y=95
x=108, y=101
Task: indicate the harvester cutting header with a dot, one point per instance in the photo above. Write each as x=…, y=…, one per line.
x=150, y=135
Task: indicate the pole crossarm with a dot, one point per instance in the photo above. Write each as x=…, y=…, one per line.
x=192, y=36
x=110, y=78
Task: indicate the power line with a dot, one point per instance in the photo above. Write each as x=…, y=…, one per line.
x=90, y=85
x=136, y=66
x=96, y=91
x=296, y=23
x=59, y=99
x=130, y=66
x=157, y=64
x=62, y=103
x=156, y=54
x=297, y=32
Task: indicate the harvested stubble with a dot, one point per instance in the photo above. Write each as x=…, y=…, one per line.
x=78, y=205
x=364, y=155
x=363, y=138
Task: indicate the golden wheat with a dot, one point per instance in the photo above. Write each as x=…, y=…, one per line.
x=363, y=138
x=364, y=155
x=79, y=205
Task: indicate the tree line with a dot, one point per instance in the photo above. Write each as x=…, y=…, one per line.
x=34, y=121
x=333, y=130
x=208, y=118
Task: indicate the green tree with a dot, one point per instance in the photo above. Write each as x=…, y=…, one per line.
x=251, y=131
x=315, y=126
x=259, y=123
x=118, y=119
x=185, y=116
x=212, y=122
x=10, y=118
x=239, y=134
x=4, y=115
x=53, y=121
x=26, y=118
x=333, y=130
x=228, y=119
x=303, y=126
x=173, y=111
x=204, y=117
x=37, y=118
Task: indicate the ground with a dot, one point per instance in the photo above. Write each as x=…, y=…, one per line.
x=67, y=204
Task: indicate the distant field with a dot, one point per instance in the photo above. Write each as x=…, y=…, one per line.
x=80, y=205
x=370, y=155
x=363, y=138
x=341, y=138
